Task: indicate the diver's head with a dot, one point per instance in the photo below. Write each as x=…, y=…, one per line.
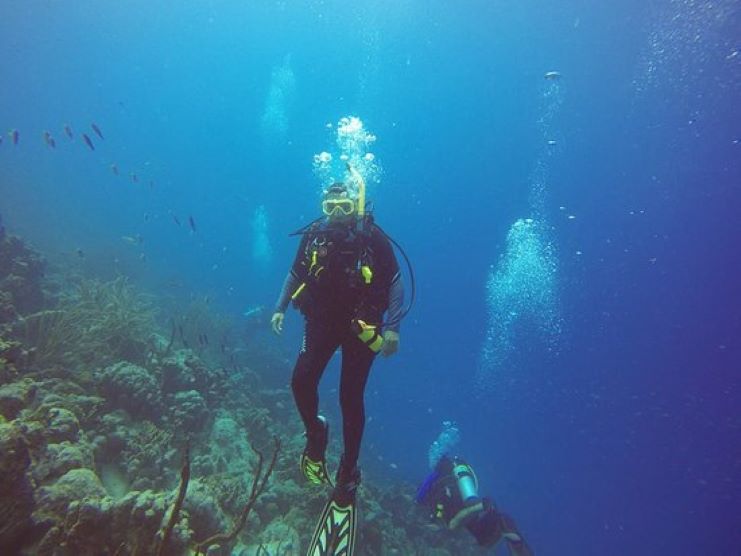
x=338, y=205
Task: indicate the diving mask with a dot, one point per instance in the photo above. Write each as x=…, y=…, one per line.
x=336, y=207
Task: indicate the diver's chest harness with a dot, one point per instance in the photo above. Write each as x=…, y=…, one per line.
x=337, y=265
x=339, y=259
x=337, y=272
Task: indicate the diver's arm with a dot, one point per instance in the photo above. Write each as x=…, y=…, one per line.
x=290, y=285
x=396, y=301
x=292, y=281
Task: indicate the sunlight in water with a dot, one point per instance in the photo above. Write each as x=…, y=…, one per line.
x=279, y=101
x=685, y=38
x=262, y=251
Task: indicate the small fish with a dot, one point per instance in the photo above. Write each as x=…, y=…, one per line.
x=151, y=184
x=552, y=75
x=96, y=129
x=143, y=257
x=49, y=140
x=88, y=142
x=114, y=169
x=253, y=312
x=205, y=338
x=192, y=223
x=68, y=131
x=134, y=240
x=80, y=253
x=175, y=218
x=223, y=348
x=200, y=339
x=14, y=136
x=134, y=177
x=552, y=143
x=146, y=217
x=1, y=139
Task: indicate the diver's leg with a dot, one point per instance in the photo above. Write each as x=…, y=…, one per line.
x=318, y=345
x=516, y=544
x=357, y=359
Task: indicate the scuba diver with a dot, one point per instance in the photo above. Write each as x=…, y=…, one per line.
x=450, y=492
x=344, y=278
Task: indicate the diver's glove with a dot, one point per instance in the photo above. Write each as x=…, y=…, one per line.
x=390, y=343
x=276, y=322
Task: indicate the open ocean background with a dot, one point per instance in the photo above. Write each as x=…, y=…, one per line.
x=611, y=427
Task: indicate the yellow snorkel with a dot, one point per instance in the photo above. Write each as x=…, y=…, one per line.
x=366, y=271
x=361, y=189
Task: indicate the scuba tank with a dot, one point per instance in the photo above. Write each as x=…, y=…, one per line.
x=465, y=478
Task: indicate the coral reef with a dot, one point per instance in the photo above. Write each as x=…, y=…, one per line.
x=131, y=388
x=98, y=411
x=21, y=270
x=99, y=524
x=203, y=330
x=97, y=322
x=259, y=482
x=16, y=488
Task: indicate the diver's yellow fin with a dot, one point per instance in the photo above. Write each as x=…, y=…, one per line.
x=315, y=471
x=336, y=531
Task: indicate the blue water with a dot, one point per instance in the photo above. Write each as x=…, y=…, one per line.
x=618, y=433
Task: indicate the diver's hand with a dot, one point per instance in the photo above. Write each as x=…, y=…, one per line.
x=390, y=343
x=276, y=322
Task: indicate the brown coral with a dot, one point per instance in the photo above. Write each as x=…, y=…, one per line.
x=97, y=322
x=21, y=270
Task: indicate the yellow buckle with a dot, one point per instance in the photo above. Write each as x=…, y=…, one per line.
x=367, y=273
x=298, y=290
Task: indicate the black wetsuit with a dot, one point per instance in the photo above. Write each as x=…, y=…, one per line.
x=334, y=292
